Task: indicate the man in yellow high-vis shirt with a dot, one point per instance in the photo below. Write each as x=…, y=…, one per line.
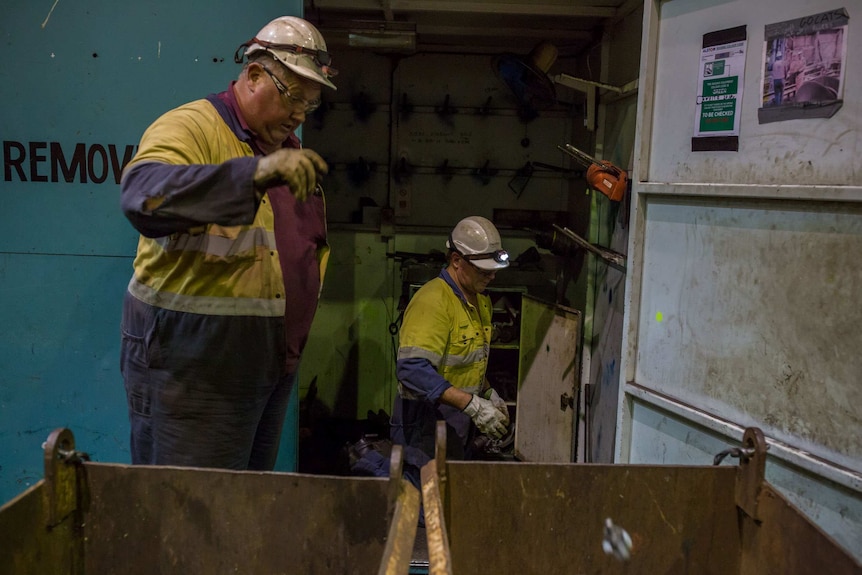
x=444, y=343
x=230, y=261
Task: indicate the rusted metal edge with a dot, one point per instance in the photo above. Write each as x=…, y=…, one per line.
x=439, y=554
x=61, y=486
x=402, y=532
x=440, y=458
x=433, y=477
x=752, y=471
x=404, y=502
x=396, y=469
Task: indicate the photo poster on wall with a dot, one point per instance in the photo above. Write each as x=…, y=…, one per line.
x=721, y=76
x=803, y=67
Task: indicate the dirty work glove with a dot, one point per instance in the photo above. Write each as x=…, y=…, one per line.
x=487, y=418
x=492, y=395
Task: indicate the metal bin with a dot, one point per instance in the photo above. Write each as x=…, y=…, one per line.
x=87, y=518
x=523, y=518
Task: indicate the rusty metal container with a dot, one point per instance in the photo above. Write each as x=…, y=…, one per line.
x=87, y=518
x=531, y=518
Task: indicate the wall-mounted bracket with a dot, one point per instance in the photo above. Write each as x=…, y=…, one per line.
x=589, y=87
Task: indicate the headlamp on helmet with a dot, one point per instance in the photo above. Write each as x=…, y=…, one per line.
x=477, y=240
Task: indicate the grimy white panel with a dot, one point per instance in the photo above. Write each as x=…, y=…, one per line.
x=751, y=310
x=743, y=279
x=797, y=152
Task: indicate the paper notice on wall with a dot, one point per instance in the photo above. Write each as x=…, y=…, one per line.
x=721, y=76
x=803, y=66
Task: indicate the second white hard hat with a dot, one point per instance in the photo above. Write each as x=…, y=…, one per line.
x=478, y=241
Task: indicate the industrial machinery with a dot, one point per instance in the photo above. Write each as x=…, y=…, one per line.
x=87, y=518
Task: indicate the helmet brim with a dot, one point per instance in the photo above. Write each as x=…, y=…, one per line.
x=308, y=74
x=489, y=264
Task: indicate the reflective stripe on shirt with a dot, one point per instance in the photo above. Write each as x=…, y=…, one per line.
x=244, y=306
x=450, y=333
x=246, y=240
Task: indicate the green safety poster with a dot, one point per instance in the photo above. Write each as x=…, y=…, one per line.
x=721, y=76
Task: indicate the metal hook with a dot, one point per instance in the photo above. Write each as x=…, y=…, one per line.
x=741, y=453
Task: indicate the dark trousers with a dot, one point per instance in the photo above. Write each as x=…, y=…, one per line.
x=203, y=391
x=413, y=423
x=778, y=91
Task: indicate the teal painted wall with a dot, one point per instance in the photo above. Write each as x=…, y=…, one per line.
x=80, y=81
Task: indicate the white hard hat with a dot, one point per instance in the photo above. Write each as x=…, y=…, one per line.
x=295, y=43
x=478, y=241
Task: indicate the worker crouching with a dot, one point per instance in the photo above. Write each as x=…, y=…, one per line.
x=445, y=341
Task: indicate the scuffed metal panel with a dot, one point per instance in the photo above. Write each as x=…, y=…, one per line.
x=832, y=507
x=151, y=520
x=681, y=520
x=751, y=311
x=781, y=543
x=27, y=546
x=548, y=380
x=94, y=518
x=577, y=518
x=759, y=271
x=610, y=227
x=660, y=436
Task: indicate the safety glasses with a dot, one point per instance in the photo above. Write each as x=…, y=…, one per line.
x=295, y=101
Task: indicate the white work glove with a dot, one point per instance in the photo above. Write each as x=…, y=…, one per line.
x=487, y=417
x=492, y=395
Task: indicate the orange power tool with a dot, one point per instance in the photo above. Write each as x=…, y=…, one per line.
x=601, y=174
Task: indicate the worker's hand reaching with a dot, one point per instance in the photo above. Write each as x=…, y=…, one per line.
x=487, y=417
x=492, y=395
x=298, y=169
